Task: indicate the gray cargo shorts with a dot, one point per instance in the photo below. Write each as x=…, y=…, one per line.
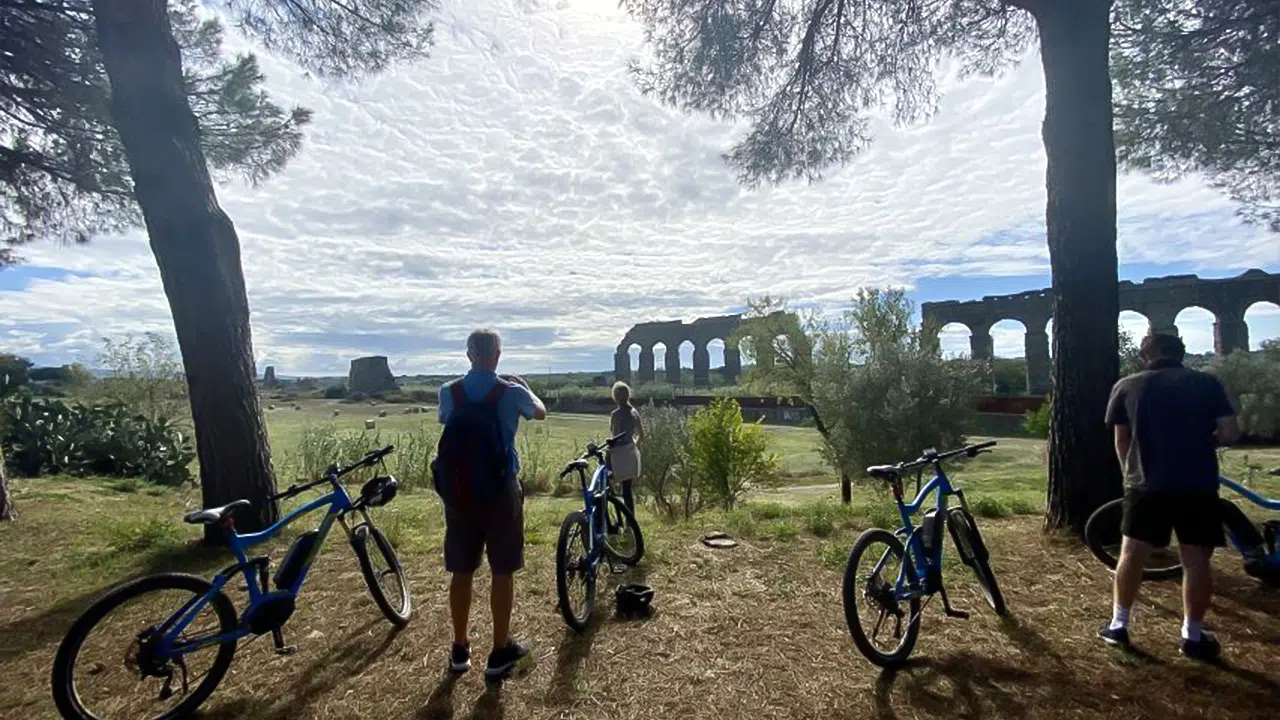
x=494, y=529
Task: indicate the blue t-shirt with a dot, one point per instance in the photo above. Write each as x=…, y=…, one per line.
x=517, y=402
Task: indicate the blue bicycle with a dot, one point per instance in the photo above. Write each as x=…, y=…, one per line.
x=604, y=527
x=136, y=655
x=883, y=590
x=1260, y=550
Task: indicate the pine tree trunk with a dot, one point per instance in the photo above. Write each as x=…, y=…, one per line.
x=1081, y=219
x=197, y=250
x=6, y=500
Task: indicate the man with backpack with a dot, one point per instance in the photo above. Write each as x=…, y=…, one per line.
x=475, y=471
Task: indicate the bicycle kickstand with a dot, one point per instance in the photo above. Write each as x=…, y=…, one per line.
x=277, y=637
x=948, y=609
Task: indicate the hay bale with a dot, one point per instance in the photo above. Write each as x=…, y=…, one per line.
x=336, y=413
x=296, y=406
x=382, y=413
x=370, y=424
x=271, y=407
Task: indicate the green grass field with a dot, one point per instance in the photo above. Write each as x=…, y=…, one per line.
x=1010, y=480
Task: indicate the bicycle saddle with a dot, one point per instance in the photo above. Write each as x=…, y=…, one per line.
x=884, y=472
x=214, y=515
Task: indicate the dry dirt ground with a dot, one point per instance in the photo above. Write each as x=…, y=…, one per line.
x=752, y=632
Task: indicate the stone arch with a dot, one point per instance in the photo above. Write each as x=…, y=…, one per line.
x=954, y=340
x=1194, y=325
x=1009, y=342
x=1262, y=323
x=1007, y=338
x=716, y=350
x=686, y=349
x=1134, y=323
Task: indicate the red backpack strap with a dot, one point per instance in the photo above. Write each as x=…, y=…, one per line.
x=495, y=394
x=459, y=394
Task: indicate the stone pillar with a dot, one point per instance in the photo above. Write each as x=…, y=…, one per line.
x=1230, y=333
x=1036, y=344
x=702, y=365
x=732, y=364
x=1161, y=320
x=646, y=365
x=981, y=346
x=673, y=364
x=622, y=365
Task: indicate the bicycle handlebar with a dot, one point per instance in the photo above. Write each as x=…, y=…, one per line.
x=593, y=450
x=333, y=473
x=931, y=457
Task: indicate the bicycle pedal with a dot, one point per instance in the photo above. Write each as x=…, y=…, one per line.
x=617, y=569
x=955, y=613
x=287, y=650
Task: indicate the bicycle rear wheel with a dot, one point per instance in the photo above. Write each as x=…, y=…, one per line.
x=870, y=590
x=973, y=552
x=622, y=540
x=1102, y=536
x=109, y=667
x=575, y=577
x=382, y=573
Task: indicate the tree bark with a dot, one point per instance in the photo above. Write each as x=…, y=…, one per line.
x=6, y=500
x=1081, y=220
x=197, y=250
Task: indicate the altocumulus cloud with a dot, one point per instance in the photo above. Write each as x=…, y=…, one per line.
x=517, y=179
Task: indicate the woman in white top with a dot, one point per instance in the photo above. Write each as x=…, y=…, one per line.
x=624, y=459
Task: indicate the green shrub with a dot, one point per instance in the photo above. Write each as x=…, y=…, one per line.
x=419, y=395
x=1024, y=507
x=819, y=520
x=1253, y=379
x=14, y=373
x=356, y=397
x=662, y=454
x=988, y=507
x=335, y=392
x=726, y=456
x=145, y=375
x=48, y=436
x=1036, y=422
x=878, y=383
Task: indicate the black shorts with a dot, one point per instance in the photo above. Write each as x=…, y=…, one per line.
x=495, y=530
x=1152, y=516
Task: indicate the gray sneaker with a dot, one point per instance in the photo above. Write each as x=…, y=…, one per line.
x=502, y=660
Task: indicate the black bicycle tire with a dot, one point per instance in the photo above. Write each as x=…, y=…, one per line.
x=630, y=518
x=979, y=562
x=575, y=518
x=64, y=694
x=360, y=544
x=1108, y=515
x=850, y=595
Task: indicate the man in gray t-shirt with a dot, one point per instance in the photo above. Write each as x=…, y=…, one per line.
x=1168, y=422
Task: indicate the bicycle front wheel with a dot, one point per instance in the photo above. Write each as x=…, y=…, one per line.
x=111, y=664
x=973, y=552
x=382, y=573
x=575, y=575
x=875, y=562
x=1102, y=535
x=622, y=540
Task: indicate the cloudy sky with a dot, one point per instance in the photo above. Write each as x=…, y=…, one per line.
x=518, y=180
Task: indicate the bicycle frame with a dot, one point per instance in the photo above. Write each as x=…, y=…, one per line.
x=940, y=485
x=594, y=497
x=338, y=503
x=1257, y=499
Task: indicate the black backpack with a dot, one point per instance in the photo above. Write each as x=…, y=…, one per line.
x=472, y=461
